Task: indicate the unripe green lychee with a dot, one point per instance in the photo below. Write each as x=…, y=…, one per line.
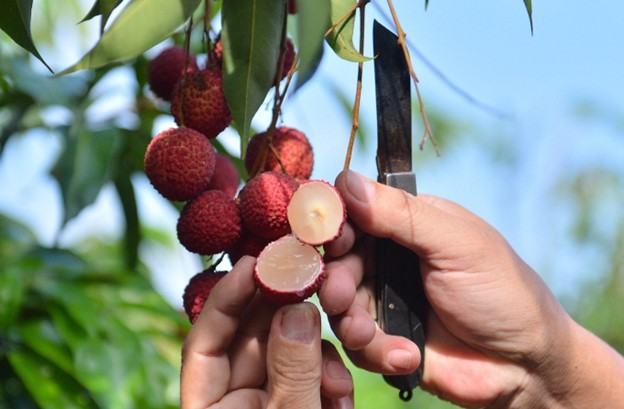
x=291, y=147
x=179, y=163
x=198, y=102
x=197, y=291
x=263, y=203
x=166, y=69
x=209, y=224
x=225, y=177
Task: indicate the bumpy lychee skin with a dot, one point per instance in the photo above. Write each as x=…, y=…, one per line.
x=263, y=203
x=197, y=291
x=288, y=271
x=209, y=224
x=316, y=212
x=179, y=163
x=198, y=102
x=166, y=69
x=248, y=244
x=291, y=145
x=225, y=177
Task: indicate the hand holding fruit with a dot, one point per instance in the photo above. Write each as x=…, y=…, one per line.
x=496, y=335
x=246, y=352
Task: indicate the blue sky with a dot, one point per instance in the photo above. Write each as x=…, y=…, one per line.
x=484, y=47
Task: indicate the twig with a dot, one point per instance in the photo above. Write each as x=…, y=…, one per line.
x=428, y=134
x=355, y=124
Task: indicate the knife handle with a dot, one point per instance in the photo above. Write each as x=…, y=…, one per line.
x=401, y=301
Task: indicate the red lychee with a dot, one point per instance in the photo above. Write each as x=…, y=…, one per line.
x=288, y=271
x=179, y=163
x=291, y=146
x=248, y=244
x=289, y=57
x=198, y=102
x=197, y=291
x=166, y=69
x=263, y=203
x=292, y=6
x=209, y=224
x=225, y=177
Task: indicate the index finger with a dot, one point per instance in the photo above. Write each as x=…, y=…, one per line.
x=205, y=362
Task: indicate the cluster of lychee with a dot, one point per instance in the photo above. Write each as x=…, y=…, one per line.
x=279, y=215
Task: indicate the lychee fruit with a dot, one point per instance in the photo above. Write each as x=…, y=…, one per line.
x=248, y=244
x=288, y=147
x=197, y=291
x=209, y=224
x=289, y=57
x=263, y=203
x=292, y=6
x=179, y=163
x=198, y=102
x=225, y=177
x=289, y=271
x=316, y=212
x=166, y=69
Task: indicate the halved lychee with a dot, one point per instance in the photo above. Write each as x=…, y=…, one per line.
x=289, y=271
x=316, y=212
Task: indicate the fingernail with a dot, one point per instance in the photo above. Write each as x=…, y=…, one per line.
x=361, y=188
x=400, y=359
x=345, y=402
x=336, y=370
x=298, y=324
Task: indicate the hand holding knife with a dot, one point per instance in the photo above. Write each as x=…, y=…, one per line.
x=401, y=302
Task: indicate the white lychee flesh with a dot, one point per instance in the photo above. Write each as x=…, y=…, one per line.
x=316, y=212
x=288, y=270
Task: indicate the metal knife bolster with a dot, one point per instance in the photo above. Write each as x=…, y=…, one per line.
x=401, y=302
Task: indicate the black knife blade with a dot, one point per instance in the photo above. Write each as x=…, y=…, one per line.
x=401, y=301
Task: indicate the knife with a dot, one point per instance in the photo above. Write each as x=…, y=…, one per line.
x=401, y=301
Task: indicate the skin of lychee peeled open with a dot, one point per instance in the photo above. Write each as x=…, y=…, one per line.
x=289, y=271
x=316, y=212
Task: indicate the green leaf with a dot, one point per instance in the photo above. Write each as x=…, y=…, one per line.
x=426, y=4
x=313, y=20
x=529, y=8
x=15, y=21
x=85, y=166
x=251, y=37
x=42, y=338
x=12, y=294
x=341, y=37
x=139, y=26
x=102, y=8
x=49, y=386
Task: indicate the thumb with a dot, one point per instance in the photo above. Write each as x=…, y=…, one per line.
x=424, y=224
x=294, y=358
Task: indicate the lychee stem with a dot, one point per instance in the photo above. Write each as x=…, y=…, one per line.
x=355, y=124
x=260, y=161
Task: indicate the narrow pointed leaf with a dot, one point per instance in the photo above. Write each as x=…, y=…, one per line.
x=102, y=8
x=426, y=4
x=251, y=37
x=15, y=21
x=85, y=167
x=139, y=26
x=341, y=37
x=313, y=20
x=529, y=8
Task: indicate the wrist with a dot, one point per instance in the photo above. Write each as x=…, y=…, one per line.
x=578, y=370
